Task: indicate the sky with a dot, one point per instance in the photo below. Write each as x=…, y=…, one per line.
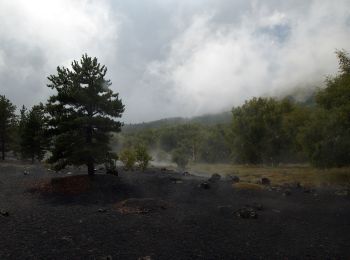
x=170, y=58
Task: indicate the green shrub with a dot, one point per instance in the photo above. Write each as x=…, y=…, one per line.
x=142, y=157
x=128, y=158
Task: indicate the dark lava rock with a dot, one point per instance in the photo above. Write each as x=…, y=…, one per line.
x=4, y=213
x=204, y=185
x=214, y=178
x=247, y=213
x=232, y=178
x=265, y=181
x=287, y=192
x=186, y=174
x=101, y=210
x=163, y=169
x=258, y=206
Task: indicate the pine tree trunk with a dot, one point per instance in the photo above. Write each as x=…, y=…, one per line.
x=91, y=170
x=3, y=149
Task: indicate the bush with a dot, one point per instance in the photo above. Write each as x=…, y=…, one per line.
x=128, y=158
x=142, y=157
x=180, y=157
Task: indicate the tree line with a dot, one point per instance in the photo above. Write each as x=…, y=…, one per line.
x=74, y=127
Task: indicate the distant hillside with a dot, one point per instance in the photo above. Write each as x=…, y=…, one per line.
x=210, y=119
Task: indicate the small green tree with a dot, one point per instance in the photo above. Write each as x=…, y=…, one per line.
x=7, y=120
x=128, y=158
x=142, y=157
x=82, y=114
x=32, y=133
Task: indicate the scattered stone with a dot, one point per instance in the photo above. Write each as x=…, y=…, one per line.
x=258, y=206
x=232, y=178
x=287, y=192
x=247, y=213
x=141, y=205
x=25, y=172
x=214, y=178
x=4, y=213
x=101, y=210
x=342, y=193
x=69, y=173
x=186, y=174
x=265, y=181
x=163, y=169
x=145, y=258
x=204, y=185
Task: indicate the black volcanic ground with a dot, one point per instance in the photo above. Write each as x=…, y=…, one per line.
x=164, y=215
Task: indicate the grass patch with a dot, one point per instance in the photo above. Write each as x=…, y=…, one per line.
x=247, y=186
x=305, y=175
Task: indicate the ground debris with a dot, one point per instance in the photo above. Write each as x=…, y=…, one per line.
x=141, y=205
x=247, y=213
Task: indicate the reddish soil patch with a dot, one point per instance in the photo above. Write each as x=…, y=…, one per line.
x=72, y=185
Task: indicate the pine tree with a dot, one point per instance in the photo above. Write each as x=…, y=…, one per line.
x=82, y=114
x=32, y=129
x=7, y=120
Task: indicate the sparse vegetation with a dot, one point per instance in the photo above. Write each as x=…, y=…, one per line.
x=128, y=158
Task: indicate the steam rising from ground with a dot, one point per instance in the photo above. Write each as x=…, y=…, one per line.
x=171, y=58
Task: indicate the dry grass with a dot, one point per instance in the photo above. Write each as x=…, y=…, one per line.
x=305, y=175
x=247, y=186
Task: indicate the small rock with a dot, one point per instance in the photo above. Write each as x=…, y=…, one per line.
x=186, y=174
x=232, y=178
x=69, y=173
x=25, y=172
x=163, y=169
x=265, y=181
x=287, y=192
x=101, y=210
x=214, y=178
x=204, y=185
x=108, y=257
x=342, y=193
x=247, y=213
x=4, y=213
x=145, y=258
x=258, y=206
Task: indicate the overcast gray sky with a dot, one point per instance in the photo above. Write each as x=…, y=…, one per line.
x=173, y=57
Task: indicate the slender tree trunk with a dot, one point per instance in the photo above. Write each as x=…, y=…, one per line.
x=90, y=163
x=2, y=149
x=91, y=170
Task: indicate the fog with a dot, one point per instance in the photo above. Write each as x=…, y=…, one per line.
x=173, y=58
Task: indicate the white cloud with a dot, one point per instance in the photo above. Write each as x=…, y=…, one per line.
x=173, y=57
x=212, y=67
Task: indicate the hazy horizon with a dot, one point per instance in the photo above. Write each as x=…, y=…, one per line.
x=170, y=58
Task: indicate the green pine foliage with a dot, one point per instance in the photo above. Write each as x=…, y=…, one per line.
x=32, y=129
x=82, y=114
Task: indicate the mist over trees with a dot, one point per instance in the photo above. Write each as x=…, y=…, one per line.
x=75, y=127
x=264, y=130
